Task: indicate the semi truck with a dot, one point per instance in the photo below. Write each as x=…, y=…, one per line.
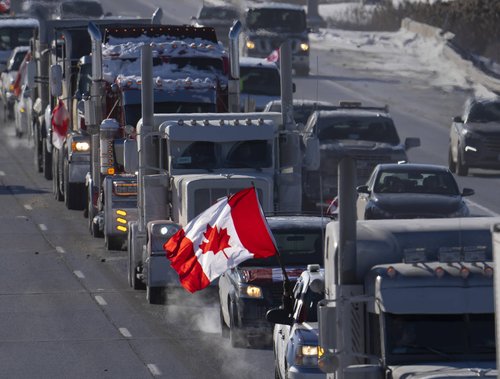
x=186, y=162
x=190, y=76
x=406, y=299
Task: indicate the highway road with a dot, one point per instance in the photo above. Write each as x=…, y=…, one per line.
x=66, y=310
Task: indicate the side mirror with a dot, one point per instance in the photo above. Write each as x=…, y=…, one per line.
x=468, y=192
x=55, y=79
x=363, y=189
x=279, y=316
x=458, y=119
x=317, y=286
x=412, y=142
x=312, y=153
x=31, y=73
x=130, y=156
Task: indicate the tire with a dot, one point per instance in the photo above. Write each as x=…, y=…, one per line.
x=462, y=169
x=37, y=158
x=236, y=335
x=46, y=161
x=113, y=243
x=224, y=328
x=74, y=193
x=452, y=166
x=155, y=295
x=56, y=177
x=133, y=280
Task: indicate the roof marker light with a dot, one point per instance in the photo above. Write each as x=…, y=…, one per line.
x=248, y=121
x=236, y=122
x=488, y=272
x=464, y=272
x=391, y=272
x=193, y=122
x=206, y=122
x=439, y=272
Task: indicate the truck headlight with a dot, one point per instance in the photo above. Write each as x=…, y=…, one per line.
x=250, y=45
x=304, y=46
x=250, y=291
x=307, y=355
x=80, y=146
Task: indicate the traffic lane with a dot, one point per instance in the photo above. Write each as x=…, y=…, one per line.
x=418, y=108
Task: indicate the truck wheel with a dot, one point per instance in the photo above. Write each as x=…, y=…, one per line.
x=113, y=243
x=133, y=280
x=46, y=161
x=462, y=169
x=155, y=295
x=38, y=149
x=224, y=328
x=235, y=334
x=451, y=163
x=74, y=193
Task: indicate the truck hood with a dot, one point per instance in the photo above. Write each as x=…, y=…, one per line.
x=265, y=275
x=484, y=127
x=445, y=370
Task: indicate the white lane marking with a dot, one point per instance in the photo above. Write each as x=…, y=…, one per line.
x=484, y=209
x=43, y=227
x=59, y=249
x=79, y=274
x=28, y=207
x=153, y=369
x=2, y=173
x=100, y=300
x=125, y=332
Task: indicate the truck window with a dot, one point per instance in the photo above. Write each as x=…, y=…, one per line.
x=260, y=81
x=255, y=154
x=286, y=20
x=198, y=155
x=14, y=37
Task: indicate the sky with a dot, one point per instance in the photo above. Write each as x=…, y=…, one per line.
x=404, y=52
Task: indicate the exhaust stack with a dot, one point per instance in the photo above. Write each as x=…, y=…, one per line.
x=234, y=58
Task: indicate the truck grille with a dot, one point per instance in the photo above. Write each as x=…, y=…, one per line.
x=492, y=143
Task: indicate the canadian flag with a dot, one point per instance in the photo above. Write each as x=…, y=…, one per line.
x=60, y=124
x=274, y=56
x=226, y=234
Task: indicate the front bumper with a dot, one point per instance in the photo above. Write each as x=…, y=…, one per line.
x=296, y=372
x=485, y=157
x=251, y=314
x=79, y=166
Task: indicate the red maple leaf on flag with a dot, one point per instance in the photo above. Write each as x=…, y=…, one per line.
x=216, y=241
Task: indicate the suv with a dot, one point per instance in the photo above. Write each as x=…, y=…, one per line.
x=266, y=27
x=295, y=335
x=260, y=83
x=219, y=17
x=475, y=137
x=367, y=134
x=249, y=290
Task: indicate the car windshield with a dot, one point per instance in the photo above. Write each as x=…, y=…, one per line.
x=429, y=182
x=219, y=13
x=376, y=129
x=260, y=81
x=443, y=337
x=296, y=246
x=285, y=20
x=485, y=112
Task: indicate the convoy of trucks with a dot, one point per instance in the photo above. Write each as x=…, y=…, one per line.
x=152, y=137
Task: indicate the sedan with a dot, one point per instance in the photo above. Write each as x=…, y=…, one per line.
x=411, y=191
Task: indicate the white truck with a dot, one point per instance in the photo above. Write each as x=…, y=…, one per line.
x=410, y=299
x=187, y=162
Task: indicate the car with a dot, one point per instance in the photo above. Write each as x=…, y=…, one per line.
x=295, y=334
x=14, y=31
x=266, y=26
x=302, y=108
x=9, y=76
x=219, y=17
x=365, y=133
x=249, y=290
x=475, y=137
x=411, y=190
x=259, y=83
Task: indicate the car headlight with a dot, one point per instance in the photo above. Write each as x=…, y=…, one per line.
x=304, y=46
x=250, y=45
x=80, y=146
x=306, y=355
x=250, y=291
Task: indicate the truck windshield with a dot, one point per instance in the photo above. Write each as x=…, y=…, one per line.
x=260, y=81
x=374, y=129
x=133, y=111
x=284, y=20
x=296, y=245
x=196, y=64
x=438, y=337
x=14, y=37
